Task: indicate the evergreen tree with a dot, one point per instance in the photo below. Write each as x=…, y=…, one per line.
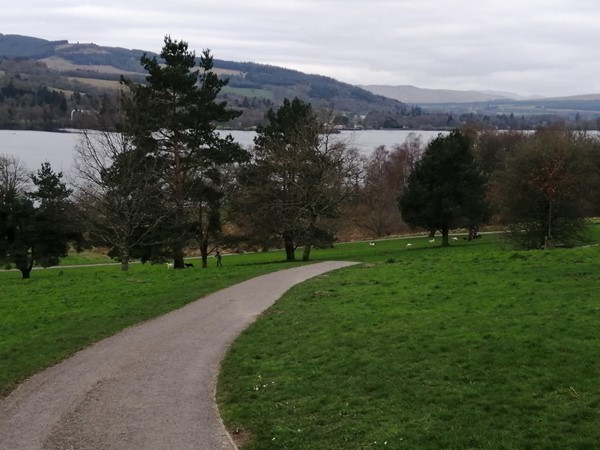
x=446, y=189
x=298, y=177
x=175, y=115
x=36, y=227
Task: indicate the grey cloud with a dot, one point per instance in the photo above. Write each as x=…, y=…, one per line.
x=533, y=47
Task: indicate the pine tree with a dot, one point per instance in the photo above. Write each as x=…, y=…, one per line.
x=36, y=226
x=175, y=115
x=298, y=177
x=446, y=189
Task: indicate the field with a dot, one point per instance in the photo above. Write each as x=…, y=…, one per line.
x=469, y=347
x=61, y=64
x=101, y=84
x=472, y=346
x=249, y=92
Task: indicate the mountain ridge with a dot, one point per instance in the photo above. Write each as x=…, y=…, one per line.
x=416, y=95
x=93, y=60
x=42, y=82
x=423, y=96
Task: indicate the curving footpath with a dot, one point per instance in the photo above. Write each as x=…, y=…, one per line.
x=149, y=387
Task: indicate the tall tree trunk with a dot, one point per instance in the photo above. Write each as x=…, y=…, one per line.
x=306, y=252
x=178, y=262
x=310, y=236
x=445, y=231
x=25, y=265
x=548, y=239
x=204, y=252
x=203, y=236
x=25, y=274
x=178, y=196
x=288, y=243
x=124, y=260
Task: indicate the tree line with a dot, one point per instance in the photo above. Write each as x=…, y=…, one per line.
x=166, y=182
x=254, y=91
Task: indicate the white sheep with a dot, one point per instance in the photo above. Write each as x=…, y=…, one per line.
x=371, y=244
x=454, y=238
x=169, y=265
x=408, y=245
x=431, y=241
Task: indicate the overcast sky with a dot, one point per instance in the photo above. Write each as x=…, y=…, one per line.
x=529, y=47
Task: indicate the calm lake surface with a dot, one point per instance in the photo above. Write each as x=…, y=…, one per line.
x=35, y=147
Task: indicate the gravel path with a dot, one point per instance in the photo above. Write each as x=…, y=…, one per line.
x=149, y=387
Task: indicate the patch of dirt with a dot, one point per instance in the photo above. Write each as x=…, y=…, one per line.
x=240, y=436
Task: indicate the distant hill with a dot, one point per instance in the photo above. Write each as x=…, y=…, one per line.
x=59, y=84
x=570, y=98
x=251, y=81
x=421, y=96
x=498, y=105
x=15, y=46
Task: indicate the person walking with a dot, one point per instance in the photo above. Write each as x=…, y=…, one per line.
x=218, y=256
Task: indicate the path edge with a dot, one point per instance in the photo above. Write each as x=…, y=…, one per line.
x=216, y=375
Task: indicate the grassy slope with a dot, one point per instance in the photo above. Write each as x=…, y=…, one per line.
x=86, y=257
x=466, y=347
x=249, y=92
x=101, y=84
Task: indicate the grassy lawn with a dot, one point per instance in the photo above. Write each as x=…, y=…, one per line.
x=473, y=346
x=86, y=257
x=468, y=347
x=59, y=311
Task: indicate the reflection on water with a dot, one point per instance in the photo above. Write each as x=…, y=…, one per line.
x=36, y=147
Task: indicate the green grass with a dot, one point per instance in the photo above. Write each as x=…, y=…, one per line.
x=468, y=347
x=86, y=257
x=59, y=311
x=473, y=346
x=82, y=258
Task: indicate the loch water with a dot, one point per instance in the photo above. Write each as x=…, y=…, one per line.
x=36, y=147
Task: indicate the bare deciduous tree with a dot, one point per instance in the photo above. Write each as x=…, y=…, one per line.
x=119, y=194
x=386, y=173
x=14, y=175
x=546, y=188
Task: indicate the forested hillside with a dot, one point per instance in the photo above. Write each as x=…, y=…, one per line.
x=56, y=84
x=84, y=76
